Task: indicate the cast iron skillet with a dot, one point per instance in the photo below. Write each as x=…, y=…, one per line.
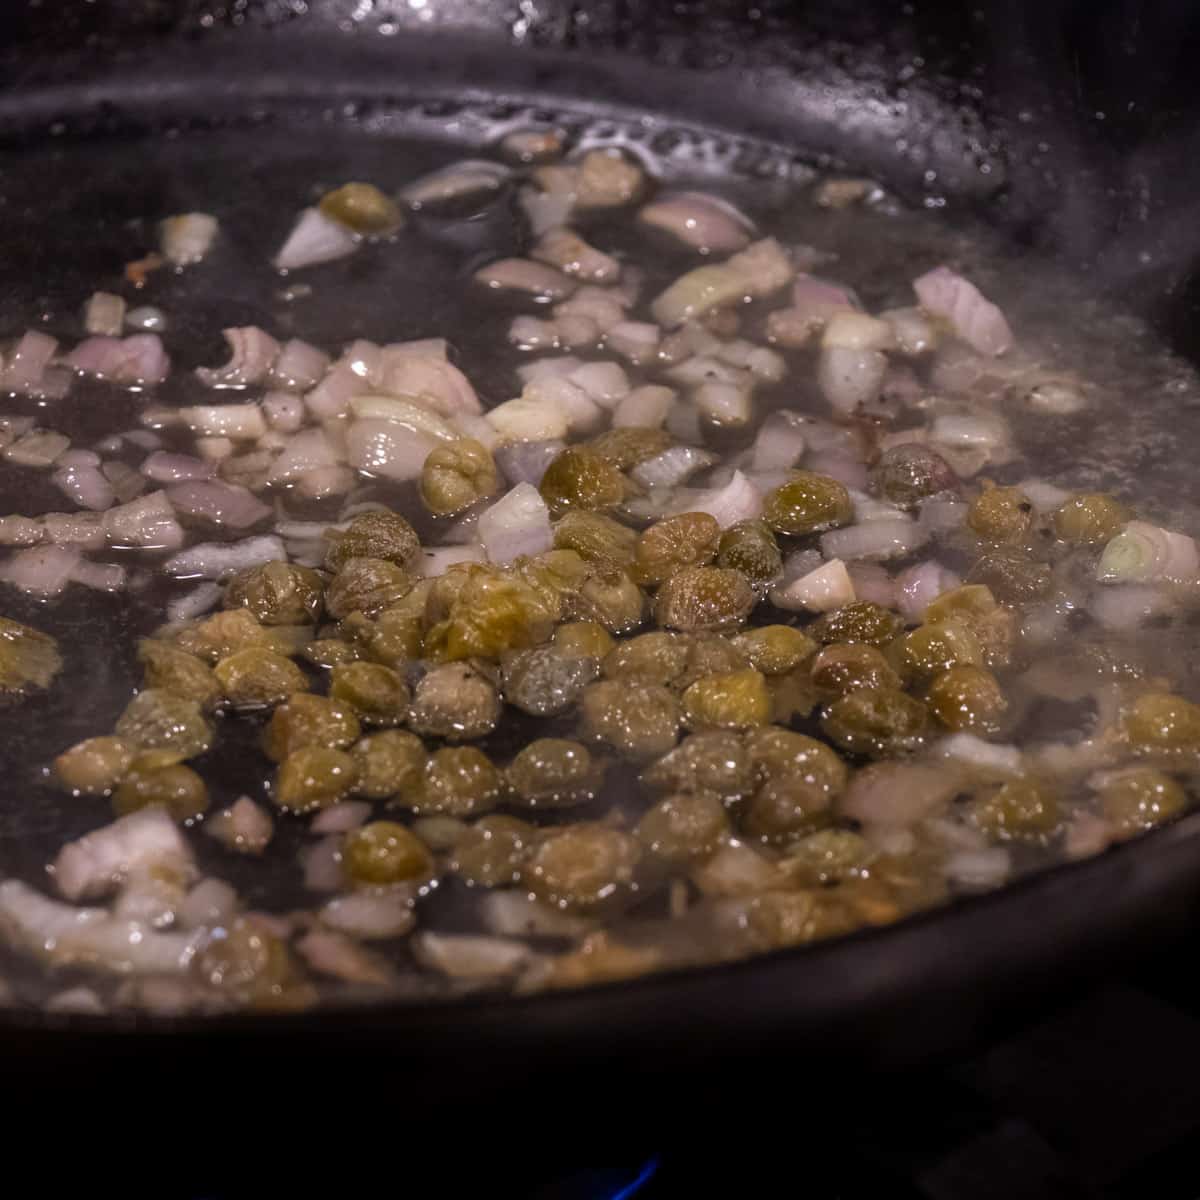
x=994, y=110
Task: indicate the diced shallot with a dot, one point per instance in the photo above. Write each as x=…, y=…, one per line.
x=341, y=818
x=221, y=503
x=779, y=443
x=523, y=275
x=568, y=252
x=370, y=914
x=918, y=586
x=469, y=956
x=244, y=826
x=165, y=467
x=104, y=314
x=403, y=411
x=187, y=238
x=192, y=604
x=706, y=223
x=28, y=362
x=526, y=462
x=308, y=450
x=458, y=179
x=757, y=271
x=300, y=366
x=849, y=377
x=897, y=793
x=388, y=449
x=102, y=577
x=738, y=500
x=872, y=582
x=239, y=421
x=315, y=239
x=974, y=752
x=645, y=407
x=217, y=560
x=85, y=486
x=518, y=523
x=412, y=369
x=253, y=353
x=336, y=955
x=975, y=319
x=1145, y=553
x=821, y=590
x=136, y=360
x=147, y=523
x=879, y=540
x=672, y=467
x=40, y=570
x=986, y=868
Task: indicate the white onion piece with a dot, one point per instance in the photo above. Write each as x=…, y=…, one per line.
x=1056, y=397
x=645, y=407
x=779, y=443
x=413, y=369
x=529, y=419
x=546, y=368
x=822, y=590
x=104, y=314
x=403, y=412
x=101, y=577
x=857, y=331
x=522, y=275
x=878, y=540
x=735, y=869
x=725, y=404
x=897, y=794
x=604, y=382
x=961, y=304
x=217, y=560
x=469, y=956
x=164, y=467
x=371, y=913
x=974, y=752
x=60, y=934
x=187, y=237
x=1145, y=553
x=147, y=523
x=518, y=523
x=193, y=604
x=77, y=530
x=738, y=500
x=672, y=467
x=336, y=955
x=136, y=360
x=511, y=913
x=635, y=340
x=253, y=353
x=706, y=223
x=308, y=450
x=757, y=271
x=144, y=841
x=40, y=570
x=20, y=531
x=244, y=826
x=850, y=378
x=569, y=253
x=323, y=482
x=331, y=397
x=28, y=362
x=388, y=449
x=299, y=366
x=211, y=902
x=85, y=486
x=918, y=586
x=125, y=481
x=314, y=238
x=582, y=413
x=322, y=865
x=220, y=503
x=526, y=462
x=873, y=583
x=458, y=179
x=475, y=425
x=239, y=421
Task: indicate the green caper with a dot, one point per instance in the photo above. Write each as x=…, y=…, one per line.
x=784, y=754
x=967, y=697
x=582, y=866
x=629, y=445
x=582, y=639
x=776, y=920
x=456, y=474
x=493, y=851
x=849, y=667
x=775, y=649
x=543, y=682
x=937, y=646
x=454, y=702
x=28, y=658
x=906, y=474
x=1138, y=798
x=880, y=722
x=714, y=761
x=1091, y=518
x=384, y=852
x=158, y=720
x=787, y=807
x=176, y=788
x=1001, y=514
x=257, y=678
x=308, y=720
x=612, y=599
x=638, y=719
x=734, y=700
x=687, y=540
x=709, y=654
x=170, y=669
x=750, y=547
x=1011, y=575
x=863, y=621
x=366, y=585
x=597, y=539
x=361, y=207
x=244, y=961
x=683, y=827
x=314, y=777
x=225, y=633
x=490, y=614
x=389, y=763
x=827, y=856
x=807, y=503
x=1022, y=809
x=277, y=593
x=459, y=781
x=95, y=766
x=657, y=657
x=704, y=598
x=376, y=534
x=328, y=653
x=376, y=694
x=580, y=478
x=1162, y=722
x=553, y=773
x=974, y=606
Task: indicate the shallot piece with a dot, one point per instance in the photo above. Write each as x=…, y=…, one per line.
x=138, y=360
x=244, y=826
x=814, y=301
x=704, y=222
x=192, y=604
x=1145, y=553
x=414, y=370
x=41, y=570
x=27, y=364
x=145, y=840
x=645, y=407
x=568, y=252
x=388, y=449
x=458, y=179
x=218, y=560
x=85, y=486
x=821, y=590
x=341, y=818
x=849, y=377
x=336, y=955
x=873, y=583
x=187, y=238
x=243, y=422
x=738, y=500
x=517, y=524
x=104, y=314
x=101, y=577
x=975, y=319
x=315, y=239
x=780, y=442
x=918, y=586
x=522, y=275
x=526, y=462
x=147, y=523
x=757, y=271
x=300, y=366
x=370, y=914
x=221, y=503
x=253, y=353
x=165, y=467
x=879, y=540
x=468, y=956
x=897, y=793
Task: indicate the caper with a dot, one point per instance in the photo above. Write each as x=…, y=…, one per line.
x=879, y=722
x=907, y=474
x=639, y=720
x=687, y=540
x=384, y=852
x=627, y=446
x=307, y=720
x=708, y=598
x=582, y=639
x=158, y=720
x=557, y=576
x=361, y=207
x=1001, y=514
x=735, y=700
x=314, y=777
x=257, y=678
x=1011, y=575
x=376, y=534
x=277, y=593
x=1022, y=809
x=937, y=646
x=713, y=761
x=580, y=478
x=330, y=652
x=458, y=780
x=366, y=585
x=974, y=605
x=786, y=807
x=1092, y=518
x=849, y=667
x=456, y=474
x=170, y=669
x=225, y=633
x=1160, y=721
x=244, y=961
x=683, y=827
x=95, y=766
x=543, y=682
x=582, y=866
x=454, y=702
x=657, y=657
x=553, y=773
x=176, y=788
x=792, y=695
x=376, y=694
x=826, y=856
x=1140, y=797
x=807, y=503
x=750, y=547
x=779, y=919
x=709, y=654
x=389, y=763
x=597, y=539
x=493, y=851
x=775, y=649
x=968, y=697
x=612, y=599
x=784, y=754
x=28, y=658
x=490, y=614
x=397, y=635
x=863, y=621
